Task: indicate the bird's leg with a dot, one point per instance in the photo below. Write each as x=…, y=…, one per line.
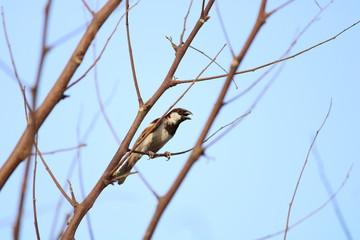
x=168, y=155
x=151, y=154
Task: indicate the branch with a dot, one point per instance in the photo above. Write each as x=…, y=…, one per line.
x=331, y=198
x=71, y=201
x=88, y=8
x=83, y=207
x=224, y=29
x=330, y=192
x=34, y=199
x=184, y=27
x=13, y=60
x=214, y=62
x=198, y=149
x=270, y=63
x=131, y=56
x=302, y=171
x=22, y=149
x=17, y=225
x=62, y=150
x=167, y=154
x=102, y=51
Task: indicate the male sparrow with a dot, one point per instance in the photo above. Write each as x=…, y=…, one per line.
x=158, y=137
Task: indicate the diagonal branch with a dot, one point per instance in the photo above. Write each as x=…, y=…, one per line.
x=132, y=56
x=302, y=171
x=84, y=207
x=23, y=148
x=315, y=211
x=71, y=201
x=270, y=63
x=27, y=105
x=198, y=149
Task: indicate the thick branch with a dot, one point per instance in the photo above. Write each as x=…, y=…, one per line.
x=83, y=207
x=23, y=147
x=198, y=149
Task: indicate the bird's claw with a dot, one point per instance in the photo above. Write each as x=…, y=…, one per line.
x=168, y=155
x=151, y=154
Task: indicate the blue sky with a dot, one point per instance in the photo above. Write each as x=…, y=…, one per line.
x=242, y=188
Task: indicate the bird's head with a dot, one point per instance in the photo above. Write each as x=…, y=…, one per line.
x=178, y=115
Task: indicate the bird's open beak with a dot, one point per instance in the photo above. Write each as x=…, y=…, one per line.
x=186, y=114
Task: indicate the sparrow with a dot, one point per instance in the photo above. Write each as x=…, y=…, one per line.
x=156, y=139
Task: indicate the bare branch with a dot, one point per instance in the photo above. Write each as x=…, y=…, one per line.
x=224, y=29
x=198, y=149
x=102, y=51
x=171, y=106
x=270, y=63
x=131, y=56
x=34, y=199
x=88, y=8
x=73, y=203
x=214, y=62
x=330, y=192
x=27, y=105
x=44, y=50
x=82, y=209
x=156, y=155
x=184, y=27
x=62, y=149
x=280, y=7
x=331, y=198
x=302, y=171
x=292, y=44
x=23, y=148
x=17, y=225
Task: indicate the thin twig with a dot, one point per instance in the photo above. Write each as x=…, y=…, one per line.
x=101, y=184
x=302, y=171
x=184, y=27
x=146, y=182
x=88, y=7
x=198, y=50
x=330, y=199
x=330, y=192
x=34, y=198
x=44, y=51
x=317, y=4
x=198, y=149
x=73, y=203
x=175, y=82
x=102, y=109
x=23, y=147
x=81, y=178
x=286, y=53
x=279, y=7
x=17, y=225
x=156, y=155
x=224, y=29
x=107, y=119
x=132, y=62
x=71, y=191
x=62, y=150
x=13, y=60
x=65, y=223
x=102, y=51
x=171, y=106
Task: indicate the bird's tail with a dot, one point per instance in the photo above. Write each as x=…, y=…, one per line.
x=126, y=167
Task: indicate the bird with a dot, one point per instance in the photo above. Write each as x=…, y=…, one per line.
x=155, y=140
